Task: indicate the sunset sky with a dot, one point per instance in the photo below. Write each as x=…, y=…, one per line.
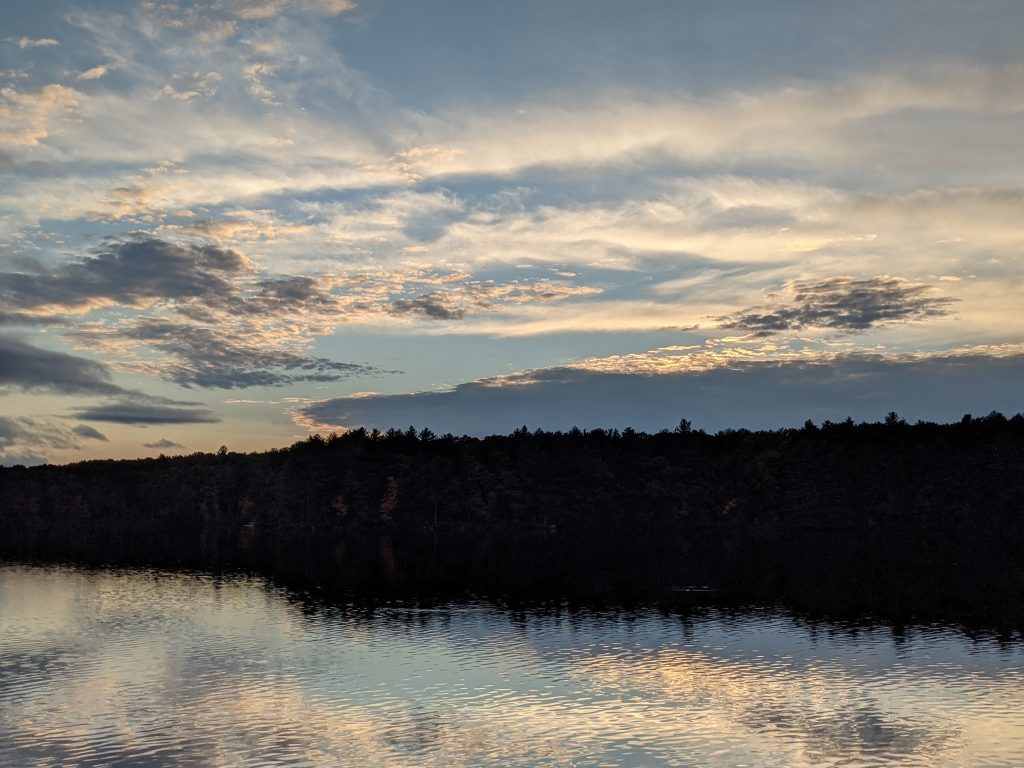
x=239, y=221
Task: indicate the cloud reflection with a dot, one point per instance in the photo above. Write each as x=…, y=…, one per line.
x=148, y=668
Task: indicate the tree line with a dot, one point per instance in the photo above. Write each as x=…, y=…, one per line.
x=906, y=521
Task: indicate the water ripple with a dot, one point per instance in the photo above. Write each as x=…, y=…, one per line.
x=151, y=669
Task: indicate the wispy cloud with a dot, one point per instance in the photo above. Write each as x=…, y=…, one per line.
x=456, y=302
x=94, y=73
x=210, y=358
x=189, y=87
x=28, y=42
x=28, y=440
x=28, y=431
x=28, y=117
x=267, y=9
x=784, y=126
x=843, y=303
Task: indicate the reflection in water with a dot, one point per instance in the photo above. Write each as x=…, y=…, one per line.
x=152, y=669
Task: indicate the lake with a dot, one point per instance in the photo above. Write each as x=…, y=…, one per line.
x=146, y=668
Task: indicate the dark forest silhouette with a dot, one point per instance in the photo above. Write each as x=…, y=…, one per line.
x=920, y=522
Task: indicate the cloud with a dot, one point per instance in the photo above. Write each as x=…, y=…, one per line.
x=429, y=305
x=163, y=443
x=662, y=132
x=254, y=74
x=242, y=225
x=251, y=334
x=26, y=117
x=133, y=273
x=210, y=358
x=216, y=322
x=84, y=430
x=141, y=413
x=455, y=302
x=29, y=368
x=842, y=303
x=136, y=200
x=213, y=320
x=27, y=436
x=24, y=318
x=215, y=22
x=25, y=430
x=782, y=125
x=328, y=7
x=94, y=73
x=187, y=88
x=194, y=20
x=258, y=10
x=28, y=42
x=752, y=395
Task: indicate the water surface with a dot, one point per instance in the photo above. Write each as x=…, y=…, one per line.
x=154, y=669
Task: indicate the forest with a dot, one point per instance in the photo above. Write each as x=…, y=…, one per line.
x=889, y=520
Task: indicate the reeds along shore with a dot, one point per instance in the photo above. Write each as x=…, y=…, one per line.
x=909, y=522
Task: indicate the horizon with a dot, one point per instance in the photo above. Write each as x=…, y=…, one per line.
x=683, y=427
x=242, y=222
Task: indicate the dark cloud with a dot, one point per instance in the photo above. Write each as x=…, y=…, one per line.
x=429, y=305
x=163, y=443
x=204, y=283
x=292, y=289
x=30, y=368
x=141, y=412
x=27, y=436
x=230, y=332
x=84, y=430
x=23, y=430
x=289, y=296
x=215, y=323
x=24, y=318
x=131, y=273
x=210, y=358
x=754, y=395
x=842, y=303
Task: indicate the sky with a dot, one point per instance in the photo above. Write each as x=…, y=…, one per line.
x=237, y=222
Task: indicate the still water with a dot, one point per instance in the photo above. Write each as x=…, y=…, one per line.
x=154, y=669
